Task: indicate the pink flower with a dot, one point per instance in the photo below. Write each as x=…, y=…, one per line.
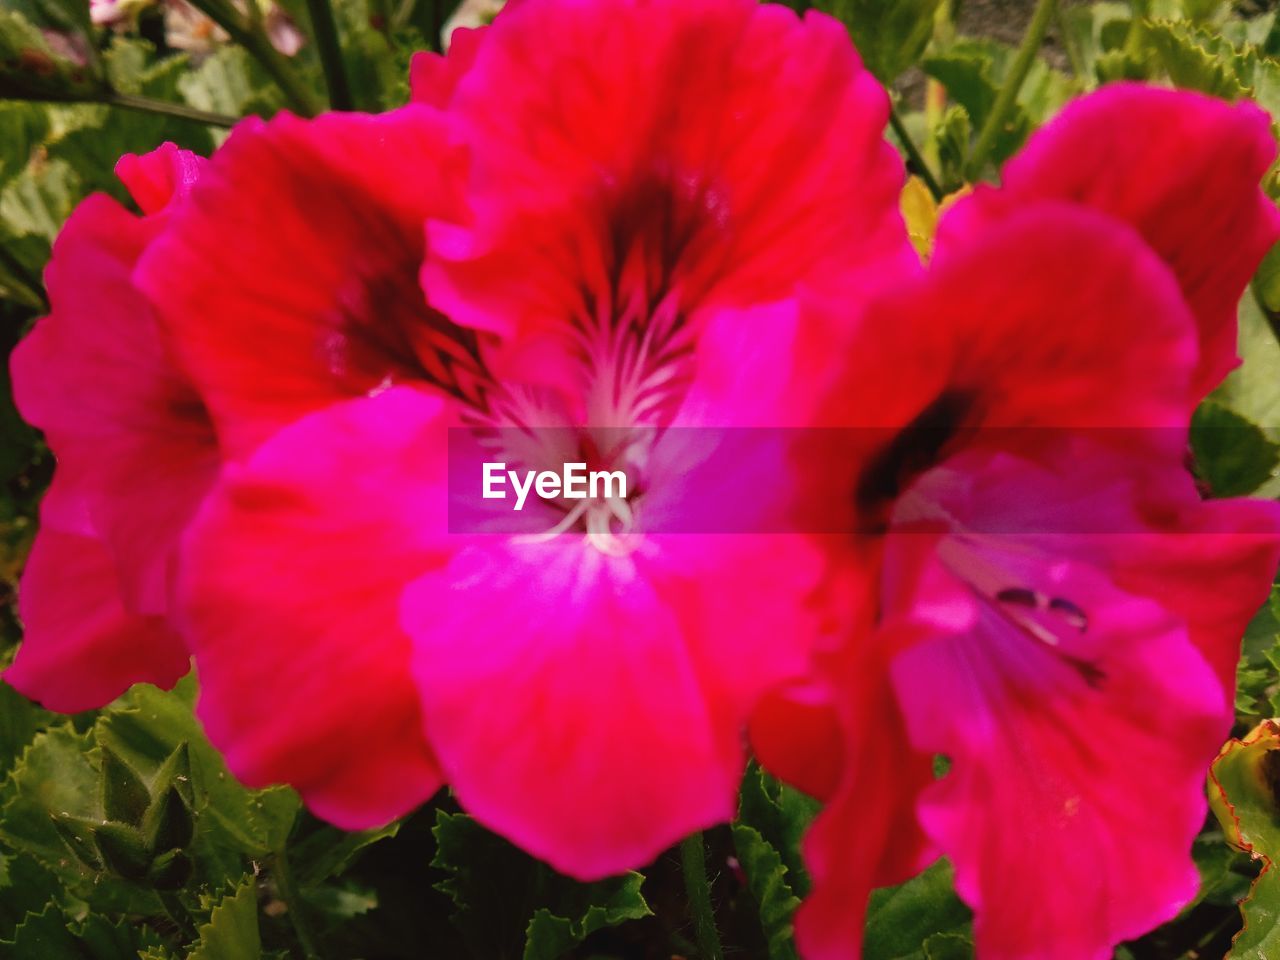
x=135, y=454
x=1055, y=610
x=617, y=256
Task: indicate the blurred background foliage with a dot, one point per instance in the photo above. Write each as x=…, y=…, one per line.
x=123, y=836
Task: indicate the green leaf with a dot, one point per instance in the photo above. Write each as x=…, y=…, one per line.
x=1201, y=58
x=20, y=719
x=168, y=824
x=170, y=871
x=770, y=885
x=1259, y=32
x=103, y=939
x=124, y=795
x=901, y=919
x=953, y=134
x=972, y=71
x=232, y=930
x=1266, y=283
x=146, y=726
x=948, y=946
x=175, y=773
x=1099, y=33
x=1192, y=59
x=781, y=815
x=230, y=82
x=889, y=34
x=328, y=852
x=1224, y=877
x=373, y=69
x=33, y=206
x=1257, y=671
x=1243, y=785
x=77, y=833
x=123, y=850
x=37, y=202
x=23, y=127
x=550, y=937
x=509, y=905
x=44, y=936
x=53, y=778
x=1253, y=389
x=47, y=935
x=24, y=888
x=1231, y=454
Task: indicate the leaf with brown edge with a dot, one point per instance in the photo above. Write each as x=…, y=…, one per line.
x=1244, y=793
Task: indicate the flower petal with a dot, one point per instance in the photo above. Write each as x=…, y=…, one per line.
x=1056, y=317
x=867, y=836
x=160, y=177
x=434, y=77
x=81, y=649
x=1043, y=682
x=734, y=153
x=590, y=707
x=289, y=279
x=1181, y=168
x=130, y=433
x=289, y=597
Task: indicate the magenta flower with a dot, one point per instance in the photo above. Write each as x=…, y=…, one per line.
x=1055, y=611
x=616, y=233
x=135, y=455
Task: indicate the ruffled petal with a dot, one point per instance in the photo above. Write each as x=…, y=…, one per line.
x=1051, y=324
x=589, y=706
x=289, y=279
x=161, y=177
x=867, y=836
x=1056, y=317
x=434, y=77
x=1214, y=570
x=733, y=154
x=1181, y=168
x=130, y=434
x=1046, y=769
x=81, y=649
x=1044, y=682
x=289, y=598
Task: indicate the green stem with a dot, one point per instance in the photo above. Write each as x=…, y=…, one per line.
x=693, y=861
x=325, y=30
x=293, y=903
x=918, y=164
x=1008, y=94
x=130, y=101
x=300, y=96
